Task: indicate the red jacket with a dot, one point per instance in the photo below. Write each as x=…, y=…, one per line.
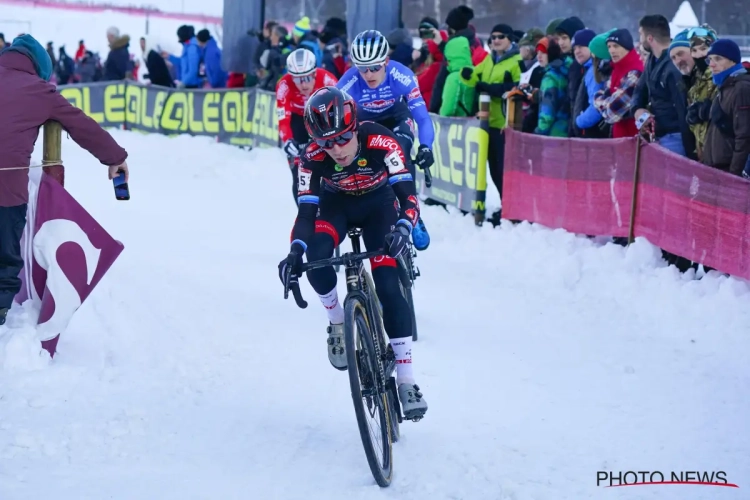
x=426, y=76
x=28, y=102
x=80, y=53
x=632, y=61
x=290, y=101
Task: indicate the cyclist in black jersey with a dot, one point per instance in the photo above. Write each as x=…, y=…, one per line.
x=365, y=184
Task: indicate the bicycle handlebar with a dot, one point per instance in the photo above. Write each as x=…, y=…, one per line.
x=427, y=173
x=345, y=260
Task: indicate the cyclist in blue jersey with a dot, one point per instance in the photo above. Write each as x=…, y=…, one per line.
x=387, y=92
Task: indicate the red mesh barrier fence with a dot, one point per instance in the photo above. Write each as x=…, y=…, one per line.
x=586, y=187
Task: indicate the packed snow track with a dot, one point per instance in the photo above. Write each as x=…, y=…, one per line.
x=545, y=357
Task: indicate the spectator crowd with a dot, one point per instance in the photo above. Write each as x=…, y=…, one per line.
x=689, y=93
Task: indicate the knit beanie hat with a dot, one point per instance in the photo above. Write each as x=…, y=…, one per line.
x=428, y=23
x=185, y=33
x=28, y=46
x=570, y=26
x=598, y=45
x=543, y=45
x=301, y=27
x=723, y=47
x=203, y=36
x=583, y=37
x=552, y=26
x=532, y=37
x=502, y=28
x=459, y=18
x=623, y=38
x=680, y=40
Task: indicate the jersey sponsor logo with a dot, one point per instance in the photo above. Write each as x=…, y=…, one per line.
x=329, y=81
x=349, y=84
x=315, y=152
x=401, y=77
x=378, y=104
x=282, y=91
x=338, y=168
x=414, y=94
x=395, y=162
x=362, y=162
x=383, y=142
x=358, y=183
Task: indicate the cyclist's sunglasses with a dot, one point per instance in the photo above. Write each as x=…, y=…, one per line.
x=304, y=79
x=498, y=37
x=372, y=69
x=341, y=140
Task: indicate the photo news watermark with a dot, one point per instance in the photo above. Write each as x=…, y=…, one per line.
x=612, y=479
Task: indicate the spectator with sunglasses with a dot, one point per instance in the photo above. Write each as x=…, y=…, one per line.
x=499, y=73
x=387, y=93
x=354, y=174
x=303, y=77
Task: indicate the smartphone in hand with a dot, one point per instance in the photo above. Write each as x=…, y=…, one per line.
x=122, y=191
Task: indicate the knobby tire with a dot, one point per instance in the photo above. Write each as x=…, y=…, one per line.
x=376, y=312
x=357, y=328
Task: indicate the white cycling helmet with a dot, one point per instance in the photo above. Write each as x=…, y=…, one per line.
x=301, y=62
x=369, y=48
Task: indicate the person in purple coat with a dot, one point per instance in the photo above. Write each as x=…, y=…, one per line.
x=27, y=101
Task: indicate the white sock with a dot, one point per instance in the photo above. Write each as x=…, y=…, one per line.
x=402, y=350
x=333, y=307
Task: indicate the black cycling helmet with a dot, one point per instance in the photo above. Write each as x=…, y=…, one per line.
x=330, y=113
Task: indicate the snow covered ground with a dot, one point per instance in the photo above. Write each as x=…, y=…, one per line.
x=543, y=356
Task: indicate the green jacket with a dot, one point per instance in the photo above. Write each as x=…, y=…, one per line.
x=554, y=102
x=458, y=98
x=492, y=71
x=702, y=89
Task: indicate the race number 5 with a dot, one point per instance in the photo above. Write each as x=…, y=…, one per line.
x=303, y=179
x=394, y=162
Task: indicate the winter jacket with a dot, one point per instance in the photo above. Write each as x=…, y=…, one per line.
x=427, y=74
x=333, y=62
x=554, y=107
x=576, y=73
x=118, y=60
x=190, y=62
x=80, y=52
x=728, y=138
x=458, y=98
x=702, y=89
x=309, y=42
x=28, y=102
x=493, y=71
x=662, y=90
x=533, y=75
x=586, y=114
x=616, y=101
x=89, y=69
x=215, y=74
x=158, y=72
x=65, y=68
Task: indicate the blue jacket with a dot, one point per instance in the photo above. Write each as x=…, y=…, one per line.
x=118, y=60
x=312, y=45
x=190, y=63
x=590, y=116
x=216, y=76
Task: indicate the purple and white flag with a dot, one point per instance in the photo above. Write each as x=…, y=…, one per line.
x=66, y=253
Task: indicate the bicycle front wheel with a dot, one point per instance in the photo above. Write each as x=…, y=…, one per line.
x=368, y=393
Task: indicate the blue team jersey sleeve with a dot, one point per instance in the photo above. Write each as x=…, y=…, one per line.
x=405, y=85
x=349, y=83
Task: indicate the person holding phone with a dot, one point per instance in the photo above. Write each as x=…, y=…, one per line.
x=28, y=101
